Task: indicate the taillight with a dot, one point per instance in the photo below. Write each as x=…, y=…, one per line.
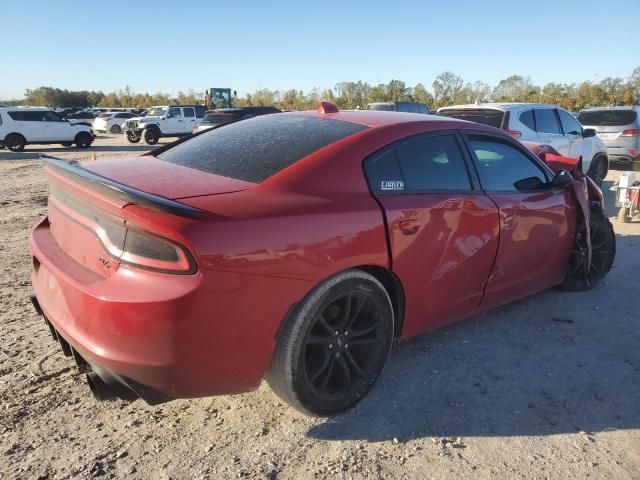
x=514, y=133
x=631, y=132
x=194, y=128
x=139, y=248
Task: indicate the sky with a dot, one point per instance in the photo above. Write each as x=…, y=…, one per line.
x=245, y=45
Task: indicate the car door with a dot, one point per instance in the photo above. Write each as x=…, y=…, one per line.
x=548, y=128
x=189, y=119
x=536, y=227
x=443, y=231
x=56, y=128
x=580, y=146
x=174, y=121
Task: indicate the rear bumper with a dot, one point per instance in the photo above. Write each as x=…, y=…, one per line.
x=170, y=335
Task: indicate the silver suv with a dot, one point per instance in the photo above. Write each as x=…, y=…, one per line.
x=619, y=128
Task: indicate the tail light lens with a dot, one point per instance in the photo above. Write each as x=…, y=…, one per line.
x=139, y=248
x=194, y=128
x=631, y=132
x=514, y=133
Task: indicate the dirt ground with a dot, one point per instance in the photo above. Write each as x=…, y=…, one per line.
x=548, y=387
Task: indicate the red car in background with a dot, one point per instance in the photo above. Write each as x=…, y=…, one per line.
x=298, y=247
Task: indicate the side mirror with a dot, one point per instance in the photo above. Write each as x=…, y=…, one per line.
x=588, y=132
x=562, y=179
x=529, y=183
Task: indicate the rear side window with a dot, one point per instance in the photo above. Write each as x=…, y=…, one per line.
x=188, y=112
x=546, y=121
x=526, y=118
x=255, y=149
x=27, y=116
x=605, y=118
x=425, y=164
x=174, y=112
x=493, y=118
x=500, y=165
x=433, y=163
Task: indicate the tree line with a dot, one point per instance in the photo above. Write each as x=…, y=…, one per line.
x=447, y=89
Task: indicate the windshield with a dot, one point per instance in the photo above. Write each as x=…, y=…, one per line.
x=603, y=118
x=156, y=112
x=254, y=149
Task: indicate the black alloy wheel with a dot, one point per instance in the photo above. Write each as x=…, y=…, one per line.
x=603, y=249
x=335, y=345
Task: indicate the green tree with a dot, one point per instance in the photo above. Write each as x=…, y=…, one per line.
x=446, y=88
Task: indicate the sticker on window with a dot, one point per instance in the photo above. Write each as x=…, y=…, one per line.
x=391, y=185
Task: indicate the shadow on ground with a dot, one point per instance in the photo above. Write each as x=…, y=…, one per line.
x=556, y=362
x=32, y=152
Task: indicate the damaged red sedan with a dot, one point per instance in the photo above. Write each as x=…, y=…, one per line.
x=298, y=247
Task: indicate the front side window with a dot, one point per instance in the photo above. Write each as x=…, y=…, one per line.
x=156, y=112
x=174, y=112
x=501, y=165
x=188, y=112
x=52, y=117
x=546, y=121
x=570, y=125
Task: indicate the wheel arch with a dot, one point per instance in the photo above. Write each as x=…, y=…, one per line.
x=4, y=140
x=393, y=286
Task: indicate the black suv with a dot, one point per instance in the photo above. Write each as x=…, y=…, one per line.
x=221, y=116
x=409, y=107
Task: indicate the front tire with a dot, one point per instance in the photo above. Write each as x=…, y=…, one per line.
x=132, y=137
x=83, y=140
x=151, y=136
x=15, y=142
x=115, y=129
x=334, y=346
x=603, y=248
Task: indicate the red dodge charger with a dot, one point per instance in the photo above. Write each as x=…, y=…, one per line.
x=297, y=247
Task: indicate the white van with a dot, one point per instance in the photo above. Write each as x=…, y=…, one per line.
x=20, y=126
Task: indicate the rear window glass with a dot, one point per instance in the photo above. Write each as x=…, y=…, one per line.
x=493, y=118
x=257, y=148
x=605, y=118
x=219, y=119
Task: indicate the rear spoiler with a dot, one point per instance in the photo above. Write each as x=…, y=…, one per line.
x=72, y=168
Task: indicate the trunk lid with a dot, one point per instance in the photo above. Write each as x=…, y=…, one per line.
x=169, y=180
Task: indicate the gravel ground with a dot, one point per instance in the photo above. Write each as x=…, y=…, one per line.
x=547, y=387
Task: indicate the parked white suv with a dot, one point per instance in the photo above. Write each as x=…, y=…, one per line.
x=20, y=126
x=548, y=124
x=164, y=121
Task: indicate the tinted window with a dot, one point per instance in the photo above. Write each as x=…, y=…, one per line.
x=27, y=116
x=188, y=112
x=500, y=165
x=603, y=118
x=493, y=118
x=383, y=172
x=546, y=121
x=257, y=148
x=174, y=112
x=527, y=119
x=569, y=124
x=387, y=107
x=433, y=163
x=201, y=111
x=52, y=117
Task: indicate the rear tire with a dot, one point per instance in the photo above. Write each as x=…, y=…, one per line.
x=603, y=246
x=598, y=170
x=15, y=142
x=115, y=129
x=333, y=347
x=151, y=136
x=83, y=140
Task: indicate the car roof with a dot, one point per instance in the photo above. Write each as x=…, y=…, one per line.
x=378, y=118
x=504, y=106
x=620, y=107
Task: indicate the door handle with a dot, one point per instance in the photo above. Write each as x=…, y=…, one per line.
x=409, y=226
